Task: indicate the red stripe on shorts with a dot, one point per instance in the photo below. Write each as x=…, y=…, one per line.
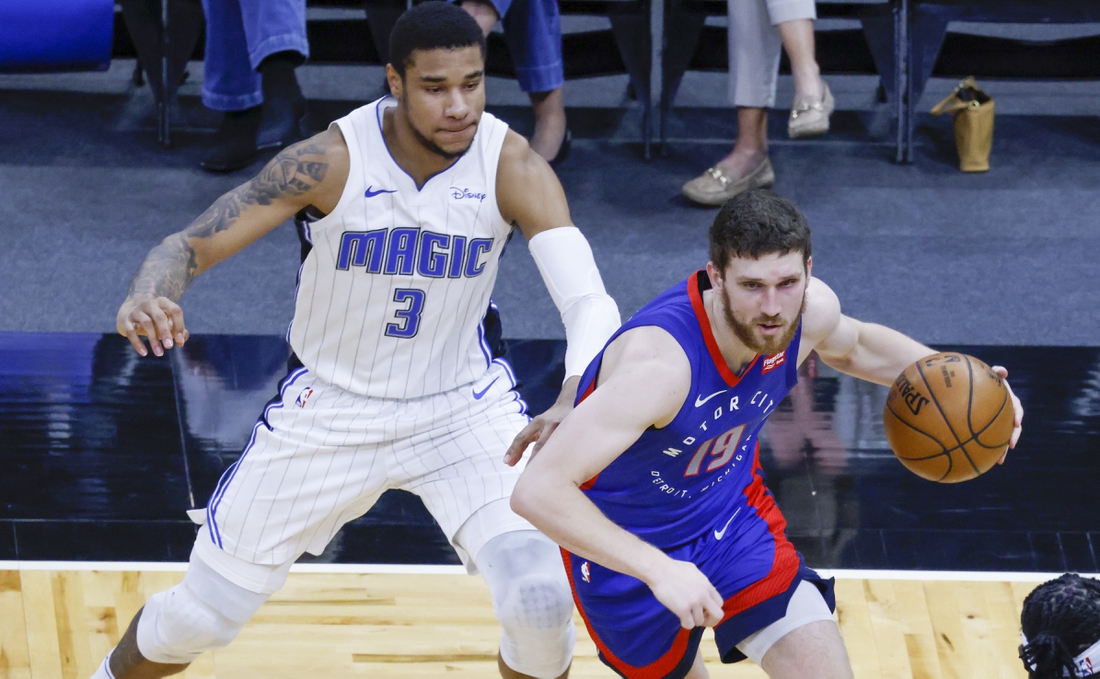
x=785, y=563
x=655, y=670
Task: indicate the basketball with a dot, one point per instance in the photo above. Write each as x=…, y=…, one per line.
x=948, y=418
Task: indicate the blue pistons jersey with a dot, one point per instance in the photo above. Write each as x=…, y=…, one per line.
x=695, y=490
x=672, y=483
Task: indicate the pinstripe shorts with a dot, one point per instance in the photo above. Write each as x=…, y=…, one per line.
x=320, y=456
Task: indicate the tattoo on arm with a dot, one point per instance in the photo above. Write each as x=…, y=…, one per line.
x=170, y=267
x=167, y=271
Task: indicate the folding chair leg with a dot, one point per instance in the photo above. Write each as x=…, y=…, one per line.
x=903, y=152
x=632, y=35
x=164, y=134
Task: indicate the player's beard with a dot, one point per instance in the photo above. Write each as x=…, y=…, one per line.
x=745, y=331
x=428, y=143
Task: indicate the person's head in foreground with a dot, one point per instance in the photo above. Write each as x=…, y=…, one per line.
x=759, y=240
x=1061, y=629
x=437, y=73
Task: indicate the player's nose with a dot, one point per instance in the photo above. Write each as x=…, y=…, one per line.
x=457, y=107
x=770, y=305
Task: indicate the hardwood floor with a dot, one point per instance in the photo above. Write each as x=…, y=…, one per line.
x=58, y=624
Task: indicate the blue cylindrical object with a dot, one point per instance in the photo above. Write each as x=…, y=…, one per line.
x=56, y=35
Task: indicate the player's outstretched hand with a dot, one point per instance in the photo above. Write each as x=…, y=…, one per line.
x=160, y=319
x=1017, y=407
x=539, y=429
x=685, y=591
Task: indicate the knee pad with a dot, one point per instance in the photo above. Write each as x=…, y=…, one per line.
x=202, y=613
x=532, y=601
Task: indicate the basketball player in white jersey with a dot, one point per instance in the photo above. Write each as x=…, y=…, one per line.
x=393, y=382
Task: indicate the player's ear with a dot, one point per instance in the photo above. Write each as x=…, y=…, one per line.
x=714, y=274
x=809, y=266
x=395, y=81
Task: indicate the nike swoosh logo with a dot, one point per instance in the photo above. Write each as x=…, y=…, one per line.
x=479, y=394
x=372, y=194
x=701, y=401
x=718, y=534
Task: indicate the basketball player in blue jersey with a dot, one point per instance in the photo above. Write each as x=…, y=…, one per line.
x=407, y=204
x=652, y=485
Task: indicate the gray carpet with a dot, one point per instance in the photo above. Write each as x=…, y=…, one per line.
x=1007, y=257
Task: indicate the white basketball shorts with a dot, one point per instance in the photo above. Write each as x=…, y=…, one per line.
x=321, y=456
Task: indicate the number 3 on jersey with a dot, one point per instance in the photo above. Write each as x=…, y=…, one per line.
x=409, y=317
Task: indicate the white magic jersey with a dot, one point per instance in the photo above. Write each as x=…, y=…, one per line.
x=391, y=298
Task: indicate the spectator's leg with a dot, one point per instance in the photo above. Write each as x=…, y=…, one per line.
x=244, y=39
x=813, y=103
x=284, y=106
x=798, y=40
x=230, y=85
x=795, y=21
x=751, y=147
x=533, y=31
x=276, y=34
x=754, y=49
x=484, y=13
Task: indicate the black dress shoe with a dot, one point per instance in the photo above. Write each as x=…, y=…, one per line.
x=243, y=135
x=563, y=150
x=234, y=144
x=283, y=123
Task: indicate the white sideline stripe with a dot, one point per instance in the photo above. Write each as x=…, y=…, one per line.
x=406, y=569
x=954, y=576
x=174, y=567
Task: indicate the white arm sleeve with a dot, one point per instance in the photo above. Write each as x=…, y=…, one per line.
x=569, y=271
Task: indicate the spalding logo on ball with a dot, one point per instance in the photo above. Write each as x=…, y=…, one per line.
x=949, y=418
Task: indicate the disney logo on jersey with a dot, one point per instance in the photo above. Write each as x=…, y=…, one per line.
x=407, y=250
x=773, y=362
x=466, y=194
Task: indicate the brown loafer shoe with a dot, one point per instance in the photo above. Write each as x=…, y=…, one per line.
x=715, y=187
x=811, y=118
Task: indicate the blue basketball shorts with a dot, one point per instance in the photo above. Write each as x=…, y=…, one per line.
x=641, y=639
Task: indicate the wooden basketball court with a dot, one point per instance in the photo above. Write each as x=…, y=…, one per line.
x=435, y=622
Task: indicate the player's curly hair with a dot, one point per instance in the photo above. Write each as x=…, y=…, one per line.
x=1061, y=618
x=432, y=25
x=756, y=223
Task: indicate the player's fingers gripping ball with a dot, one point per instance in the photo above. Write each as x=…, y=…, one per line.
x=949, y=417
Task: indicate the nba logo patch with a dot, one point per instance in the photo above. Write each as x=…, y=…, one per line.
x=773, y=362
x=584, y=572
x=303, y=397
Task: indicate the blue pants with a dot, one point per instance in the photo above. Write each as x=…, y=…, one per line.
x=239, y=35
x=532, y=29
